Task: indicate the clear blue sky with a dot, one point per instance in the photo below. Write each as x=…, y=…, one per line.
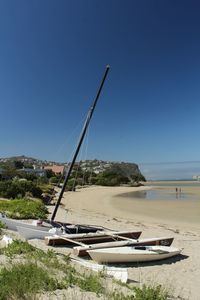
x=53, y=55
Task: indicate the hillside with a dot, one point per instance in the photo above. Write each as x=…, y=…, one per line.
x=129, y=170
x=121, y=168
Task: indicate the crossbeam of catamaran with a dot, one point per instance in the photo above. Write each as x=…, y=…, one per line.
x=84, y=130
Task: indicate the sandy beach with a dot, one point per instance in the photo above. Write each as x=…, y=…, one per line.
x=116, y=208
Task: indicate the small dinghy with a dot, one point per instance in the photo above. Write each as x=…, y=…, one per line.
x=132, y=254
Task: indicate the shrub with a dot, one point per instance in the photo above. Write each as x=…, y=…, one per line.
x=120, y=296
x=89, y=283
x=24, y=208
x=54, y=180
x=1, y=226
x=151, y=293
x=14, y=188
x=142, y=293
x=110, y=178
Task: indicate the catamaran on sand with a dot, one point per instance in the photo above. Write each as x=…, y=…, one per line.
x=102, y=246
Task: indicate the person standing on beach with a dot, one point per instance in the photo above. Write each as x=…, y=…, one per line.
x=176, y=192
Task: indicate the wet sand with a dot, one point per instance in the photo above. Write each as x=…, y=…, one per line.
x=108, y=207
x=182, y=209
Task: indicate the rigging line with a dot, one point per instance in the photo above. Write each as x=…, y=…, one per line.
x=76, y=175
x=73, y=133
x=82, y=156
x=87, y=142
x=78, y=166
x=63, y=174
x=86, y=152
x=74, y=148
x=69, y=162
x=90, y=169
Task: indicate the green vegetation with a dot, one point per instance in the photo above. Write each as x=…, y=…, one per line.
x=54, y=180
x=1, y=226
x=151, y=293
x=32, y=276
x=45, y=271
x=113, y=176
x=24, y=209
x=18, y=179
x=45, y=187
x=145, y=292
x=18, y=189
x=17, y=247
x=89, y=283
x=15, y=182
x=110, y=178
x=120, y=173
x=24, y=280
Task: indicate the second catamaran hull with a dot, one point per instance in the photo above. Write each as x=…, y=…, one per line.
x=162, y=241
x=29, y=233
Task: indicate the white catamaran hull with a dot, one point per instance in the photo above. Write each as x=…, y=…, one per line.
x=35, y=233
x=132, y=254
x=12, y=224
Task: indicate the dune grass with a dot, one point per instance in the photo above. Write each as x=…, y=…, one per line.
x=33, y=275
x=42, y=271
x=21, y=281
x=150, y=292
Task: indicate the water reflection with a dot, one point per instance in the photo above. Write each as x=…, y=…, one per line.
x=160, y=195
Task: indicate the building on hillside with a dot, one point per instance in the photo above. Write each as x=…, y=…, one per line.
x=58, y=170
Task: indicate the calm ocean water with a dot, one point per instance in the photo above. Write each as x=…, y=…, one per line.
x=154, y=195
x=176, y=192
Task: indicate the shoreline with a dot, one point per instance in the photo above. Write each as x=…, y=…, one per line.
x=108, y=202
x=181, y=213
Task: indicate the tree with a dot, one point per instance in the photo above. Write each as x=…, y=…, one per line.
x=9, y=171
x=28, y=176
x=18, y=164
x=137, y=178
x=110, y=178
x=50, y=173
x=54, y=180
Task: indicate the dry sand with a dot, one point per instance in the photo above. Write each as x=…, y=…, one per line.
x=107, y=206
